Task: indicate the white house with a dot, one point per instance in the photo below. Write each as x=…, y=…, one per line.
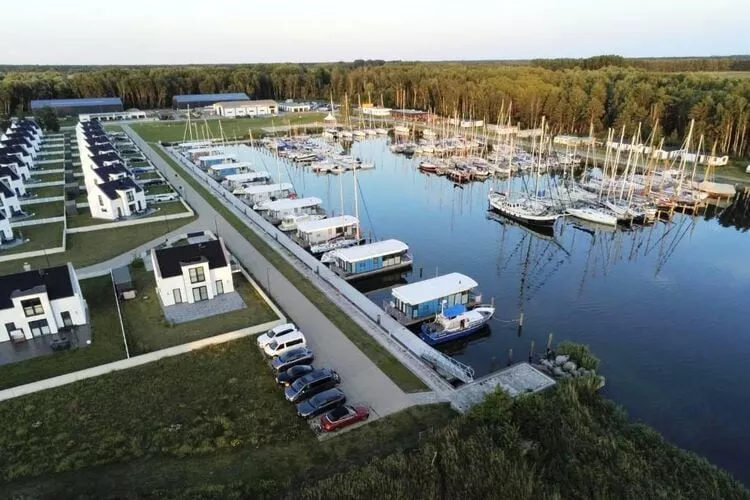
x=115, y=199
x=40, y=302
x=232, y=109
x=6, y=232
x=290, y=106
x=9, y=202
x=14, y=181
x=192, y=273
x=14, y=163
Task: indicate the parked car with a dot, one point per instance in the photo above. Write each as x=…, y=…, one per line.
x=288, y=376
x=270, y=335
x=343, y=416
x=317, y=381
x=298, y=356
x=321, y=403
x=285, y=343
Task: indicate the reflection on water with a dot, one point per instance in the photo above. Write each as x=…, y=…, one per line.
x=665, y=306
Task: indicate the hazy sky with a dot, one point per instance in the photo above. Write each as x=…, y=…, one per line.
x=234, y=31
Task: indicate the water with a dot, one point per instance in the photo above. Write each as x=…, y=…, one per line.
x=665, y=307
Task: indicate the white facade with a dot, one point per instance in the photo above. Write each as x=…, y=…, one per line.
x=113, y=116
x=9, y=202
x=127, y=202
x=33, y=313
x=6, y=233
x=19, y=167
x=232, y=109
x=13, y=181
x=375, y=111
x=196, y=282
x=294, y=107
x=320, y=231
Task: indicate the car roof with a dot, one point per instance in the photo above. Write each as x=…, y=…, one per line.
x=316, y=374
x=299, y=368
x=326, y=396
x=294, y=334
x=297, y=352
x=284, y=327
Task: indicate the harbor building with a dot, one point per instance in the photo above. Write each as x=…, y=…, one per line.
x=289, y=106
x=234, y=109
x=202, y=100
x=75, y=107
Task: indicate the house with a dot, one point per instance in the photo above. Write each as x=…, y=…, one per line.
x=9, y=202
x=12, y=180
x=19, y=152
x=192, y=273
x=6, y=232
x=40, y=302
x=13, y=162
x=116, y=199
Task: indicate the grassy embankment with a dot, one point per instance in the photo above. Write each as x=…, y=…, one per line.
x=404, y=378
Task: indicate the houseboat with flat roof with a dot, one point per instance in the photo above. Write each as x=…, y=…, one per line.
x=315, y=233
x=234, y=181
x=423, y=300
x=275, y=211
x=258, y=195
x=221, y=170
x=368, y=260
x=194, y=154
x=205, y=162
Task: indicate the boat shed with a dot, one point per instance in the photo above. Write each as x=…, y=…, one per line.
x=422, y=300
x=74, y=107
x=373, y=258
x=202, y=100
x=314, y=232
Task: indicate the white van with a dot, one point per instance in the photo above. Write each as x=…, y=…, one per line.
x=283, y=343
x=270, y=335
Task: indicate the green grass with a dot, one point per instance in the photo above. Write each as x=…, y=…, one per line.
x=159, y=189
x=397, y=372
x=82, y=197
x=106, y=344
x=45, y=210
x=148, y=175
x=46, y=192
x=40, y=237
x=85, y=249
x=234, y=128
x=84, y=217
x=43, y=176
x=212, y=416
x=112, y=128
x=147, y=329
x=43, y=167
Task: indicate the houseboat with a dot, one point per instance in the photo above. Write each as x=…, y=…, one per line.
x=314, y=233
x=263, y=193
x=368, y=260
x=423, y=300
x=210, y=160
x=289, y=222
x=234, y=181
x=194, y=154
x=275, y=211
x=221, y=170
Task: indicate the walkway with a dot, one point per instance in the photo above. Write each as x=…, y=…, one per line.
x=362, y=380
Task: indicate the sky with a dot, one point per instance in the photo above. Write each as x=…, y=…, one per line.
x=251, y=31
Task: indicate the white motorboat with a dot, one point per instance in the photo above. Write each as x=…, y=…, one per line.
x=401, y=130
x=602, y=216
x=289, y=222
x=381, y=131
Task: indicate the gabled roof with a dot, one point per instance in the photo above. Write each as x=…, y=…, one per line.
x=55, y=280
x=111, y=188
x=100, y=159
x=6, y=190
x=14, y=149
x=107, y=173
x=170, y=260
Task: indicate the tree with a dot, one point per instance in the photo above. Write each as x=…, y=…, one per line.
x=47, y=119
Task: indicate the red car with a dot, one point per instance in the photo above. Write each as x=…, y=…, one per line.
x=343, y=416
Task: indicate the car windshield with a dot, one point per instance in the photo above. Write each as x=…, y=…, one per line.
x=273, y=345
x=338, y=413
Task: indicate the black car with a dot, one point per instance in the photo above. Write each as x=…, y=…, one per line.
x=293, y=373
x=298, y=356
x=321, y=403
x=318, y=381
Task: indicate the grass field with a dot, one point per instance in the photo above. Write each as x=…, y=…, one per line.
x=40, y=237
x=397, y=372
x=159, y=189
x=234, y=128
x=45, y=210
x=43, y=167
x=85, y=249
x=214, y=413
x=106, y=345
x=148, y=175
x=148, y=330
x=46, y=192
x=84, y=217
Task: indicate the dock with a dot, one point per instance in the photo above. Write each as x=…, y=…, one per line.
x=518, y=379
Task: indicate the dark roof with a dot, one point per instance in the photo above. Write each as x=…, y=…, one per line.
x=106, y=159
x=110, y=188
x=106, y=173
x=15, y=141
x=121, y=275
x=7, y=191
x=14, y=149
x=55, y=279
x=8, y=172
x=171, y=260
x=188, y=98
x=8, y=159
x=66, y=103
x=101, y=149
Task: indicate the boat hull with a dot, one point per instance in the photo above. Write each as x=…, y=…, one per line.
x=450, y=337
x=529, y=220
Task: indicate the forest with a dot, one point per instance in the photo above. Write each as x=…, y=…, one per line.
x=663, y=95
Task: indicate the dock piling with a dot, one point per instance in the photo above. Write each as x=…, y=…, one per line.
x=531, y=351
x=510, y=356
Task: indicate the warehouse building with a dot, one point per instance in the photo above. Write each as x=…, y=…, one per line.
x=202, y=100
x=289, y=106
x=233, y=109
x=67, y=107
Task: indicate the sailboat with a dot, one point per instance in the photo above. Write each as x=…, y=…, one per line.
x=597, y=215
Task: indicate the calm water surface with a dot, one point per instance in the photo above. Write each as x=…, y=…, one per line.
x=665, y=307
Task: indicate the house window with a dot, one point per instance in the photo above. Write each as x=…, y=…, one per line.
x=66, y=319
x=219, y=287
x=200, y=293
x=101, y=202
x=177, y=294
x=32, y=307
x=10, y=328
x=130, y=196
x=196, y=275
x=39, y=328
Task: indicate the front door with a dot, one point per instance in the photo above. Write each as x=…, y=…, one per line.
x=66, y=319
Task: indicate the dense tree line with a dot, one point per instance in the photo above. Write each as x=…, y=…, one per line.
x=605, y=92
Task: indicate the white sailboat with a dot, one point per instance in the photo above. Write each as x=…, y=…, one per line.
x=596, y=215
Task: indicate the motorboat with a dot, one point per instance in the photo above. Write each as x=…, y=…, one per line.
x=455, y=322
x=426, y=166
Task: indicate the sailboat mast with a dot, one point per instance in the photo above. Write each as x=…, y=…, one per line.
x=356, y=201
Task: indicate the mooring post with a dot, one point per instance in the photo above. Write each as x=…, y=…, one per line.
x=531, y=352
x=510, y=356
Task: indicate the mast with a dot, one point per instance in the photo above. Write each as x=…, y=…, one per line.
x=539, y=163
x=356, y=201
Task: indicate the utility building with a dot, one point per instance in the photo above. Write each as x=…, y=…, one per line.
x=234, y=109
x=202, y=100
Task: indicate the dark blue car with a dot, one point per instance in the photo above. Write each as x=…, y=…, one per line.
x=297, y=356
x=321, y=403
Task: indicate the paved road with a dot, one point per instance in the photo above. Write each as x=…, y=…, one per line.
x=362, y=380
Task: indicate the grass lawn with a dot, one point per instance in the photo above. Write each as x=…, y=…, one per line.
x=43, y=176
x=43, y=167
x=397, y=372
x=234, y=128
x=85, y=249
x=159, y=189
x=81, y=197
x=148, y=175
x=45, y=210
x=84, y=216
x=211, y=416
x=41, y=237
x=52, y=156
x=147, y=329
x=106, y=343
x=112, y=128
x=46, y=192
